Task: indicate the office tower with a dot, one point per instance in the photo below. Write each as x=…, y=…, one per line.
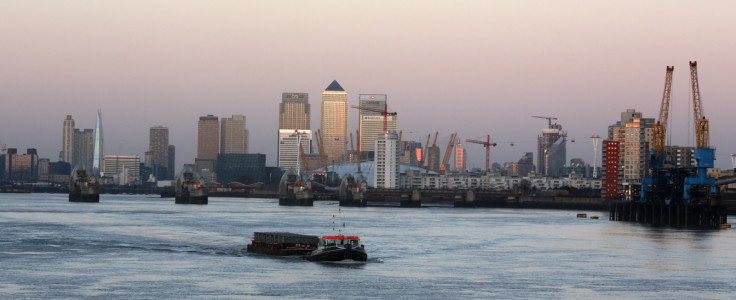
x=461, y=157
x=208, y=143
x=125, y=168
x=435, y=152
x=294, y=111
x=83, y=149
x=386, y=171
x=172, y=162
x=526, y=164
x=635, y=134
x=67, y=140
x=158, y=145
x=371, y=122
x=243, y=168
x=334, y=122
x=233, y=135
x=552, y=135
x=554, y=158
x=99, y=149
x=288, y=148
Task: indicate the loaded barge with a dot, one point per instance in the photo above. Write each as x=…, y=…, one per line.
x=282, y=243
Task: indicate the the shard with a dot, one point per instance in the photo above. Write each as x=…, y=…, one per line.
x=99, y=149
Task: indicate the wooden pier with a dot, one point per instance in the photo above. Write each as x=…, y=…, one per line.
x=675, y=215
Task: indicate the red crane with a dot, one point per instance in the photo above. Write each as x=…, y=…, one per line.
x=384, y=112
x=488, y=145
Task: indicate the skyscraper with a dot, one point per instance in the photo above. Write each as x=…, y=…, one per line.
x=83, y=149
x=208, y=143
x=288, y=149
x=386, y=172
x=371, y=123
x=334, y=121
x=233, y=135
x=158, y=145
x=461, y=157
x=634, y=133
x=294, y=111
x=67, y=140
x=98, y=153
x=171, y=168
x=551, y=135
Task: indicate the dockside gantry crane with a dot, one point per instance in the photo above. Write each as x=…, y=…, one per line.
x=663, y=182
x=700, y=186
x=488, y=145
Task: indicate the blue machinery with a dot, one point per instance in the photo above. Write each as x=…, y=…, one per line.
x=674, y=195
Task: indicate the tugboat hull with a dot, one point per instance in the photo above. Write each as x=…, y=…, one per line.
x=191, y=200
x=83, y=197
x=339, y=254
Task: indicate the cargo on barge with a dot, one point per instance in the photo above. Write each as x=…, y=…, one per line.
x=282, y=243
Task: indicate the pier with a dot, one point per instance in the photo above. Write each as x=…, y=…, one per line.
x=675, y=215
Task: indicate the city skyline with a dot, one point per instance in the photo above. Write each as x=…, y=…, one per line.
x=475, y=68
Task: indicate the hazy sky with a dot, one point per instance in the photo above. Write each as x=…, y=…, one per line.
x=474, y=67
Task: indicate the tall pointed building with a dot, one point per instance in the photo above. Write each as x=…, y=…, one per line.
x=334, y=122
x=98, y=154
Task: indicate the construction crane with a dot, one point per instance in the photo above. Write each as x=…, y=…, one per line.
x=304, y=158
x=702, y=131
x=321, y=148
x=426, y=148
x=357, y=140
x=549, y=119
x=660, y=128
x=488, y=145
x=431, y=152
x=446, y=159
x=384, y=112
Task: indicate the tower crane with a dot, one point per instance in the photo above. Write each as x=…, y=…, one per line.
x=488, y=145
x=321, y=148
x=304, y=158
x=549, y=119
x=425, y=155
x=446, y=159
x=384, y=112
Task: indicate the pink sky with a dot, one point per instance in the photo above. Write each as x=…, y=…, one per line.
x=474, y=67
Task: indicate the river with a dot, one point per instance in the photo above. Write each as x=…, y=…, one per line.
x=135, y=246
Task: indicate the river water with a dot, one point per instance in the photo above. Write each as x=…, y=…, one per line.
x=133, y=246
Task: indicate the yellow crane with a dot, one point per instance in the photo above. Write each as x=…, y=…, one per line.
x=702, y=127
x=321, y=148
x=660, y=128
x=444, y=167
x=304, y=158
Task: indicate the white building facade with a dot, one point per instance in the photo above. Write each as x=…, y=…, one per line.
x=386, y=172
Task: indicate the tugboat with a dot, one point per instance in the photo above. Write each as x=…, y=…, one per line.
x=338, y=248
x=83, y=188
x=189, y=189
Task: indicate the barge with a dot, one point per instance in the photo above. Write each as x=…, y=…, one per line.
x=82, y=187
x=282, y=243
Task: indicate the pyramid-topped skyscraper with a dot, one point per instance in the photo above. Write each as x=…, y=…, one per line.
x=334, y=122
